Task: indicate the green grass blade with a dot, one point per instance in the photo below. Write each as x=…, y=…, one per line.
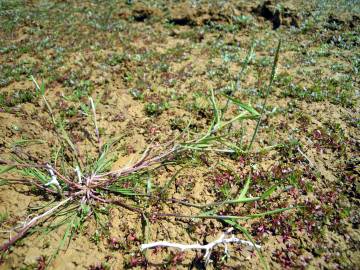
x=217, y=113
x=272, y=77
x=249, y=237
x=245, y=64
x=243, y=106
x=268, y=192
x=4, y=169
x=23, y=142
x=252, y=216
x=122, y=191
x=171, y=180
x=240, y=116
x=245, y=189
x=37, y=174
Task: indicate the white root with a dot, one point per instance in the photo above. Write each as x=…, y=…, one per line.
x=78, y=173
x=223, y=239
x=306, y=157
x=53, y=180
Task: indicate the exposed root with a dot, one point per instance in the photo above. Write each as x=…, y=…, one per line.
x=223, y=239
x=28, y=225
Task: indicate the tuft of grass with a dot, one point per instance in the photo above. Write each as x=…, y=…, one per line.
x=155, y=109
x=16, y=98
x=80, y=187
x=3, y=217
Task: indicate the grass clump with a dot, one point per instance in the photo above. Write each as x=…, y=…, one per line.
x=81, y=90
x=153, y=108
x=80, y=187
x=17, y=97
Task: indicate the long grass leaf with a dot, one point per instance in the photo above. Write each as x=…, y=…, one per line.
x=123, y=191
x=245, y=107
x=245, y=189
x=236, y=225
x=4, y=169
x=245, y=64
x=268, y=192
x=272, y=77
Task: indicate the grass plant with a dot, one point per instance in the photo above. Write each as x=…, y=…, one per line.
x=78, y=187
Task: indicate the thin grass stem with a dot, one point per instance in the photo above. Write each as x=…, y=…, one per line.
x=272, y=77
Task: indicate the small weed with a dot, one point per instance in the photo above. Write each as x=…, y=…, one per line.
x=17, y=97
x=11, y=73
x=116, y=59
x=136, y=94
x=81, y=90
x=100, y=266
x=3, y=217
x=155, y=109
x=336, y=91
x=96, y=237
